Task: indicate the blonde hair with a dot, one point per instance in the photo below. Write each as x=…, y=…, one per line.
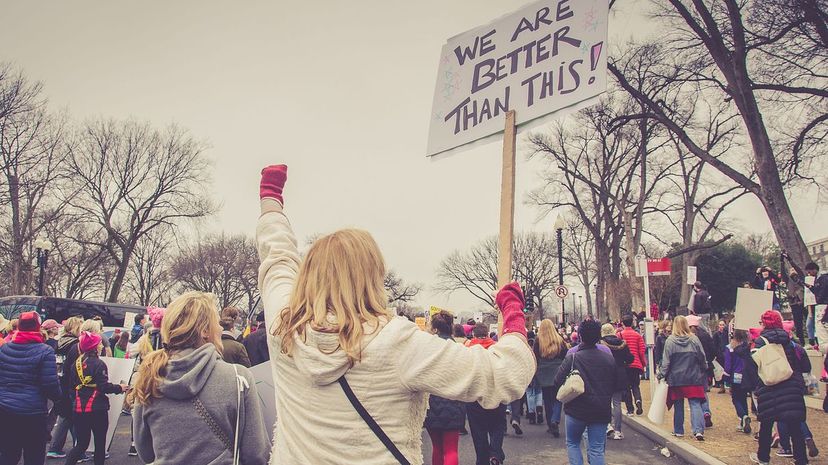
x=92, y=326
x=72, y=326
x=340, y=287
x=190, y=322
x=550, y=343
x=681, y=327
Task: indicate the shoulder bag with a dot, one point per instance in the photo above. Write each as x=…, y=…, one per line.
x=574, y=384
x=369, y=420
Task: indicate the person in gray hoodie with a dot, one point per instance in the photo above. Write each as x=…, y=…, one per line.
x=684, y=367
x=186, y=388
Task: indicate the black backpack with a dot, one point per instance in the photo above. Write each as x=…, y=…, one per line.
x=820, y=290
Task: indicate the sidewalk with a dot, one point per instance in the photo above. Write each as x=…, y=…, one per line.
x=723, y=442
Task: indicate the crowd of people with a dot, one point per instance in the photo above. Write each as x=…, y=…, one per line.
x=342, y=362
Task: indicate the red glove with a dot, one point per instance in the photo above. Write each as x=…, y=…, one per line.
x=273, y=181
x=510, y=301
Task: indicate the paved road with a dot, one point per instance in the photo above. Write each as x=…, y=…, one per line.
x=535, y=447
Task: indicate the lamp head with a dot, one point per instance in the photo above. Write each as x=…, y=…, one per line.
x=560, y=222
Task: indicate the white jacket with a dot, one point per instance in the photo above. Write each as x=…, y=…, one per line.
x=401, y=365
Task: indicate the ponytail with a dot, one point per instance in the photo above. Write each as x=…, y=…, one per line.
x=152, y=371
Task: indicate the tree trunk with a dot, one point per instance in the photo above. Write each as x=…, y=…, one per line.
x=120, y=273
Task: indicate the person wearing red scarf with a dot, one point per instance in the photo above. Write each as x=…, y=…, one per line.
x=28, y=376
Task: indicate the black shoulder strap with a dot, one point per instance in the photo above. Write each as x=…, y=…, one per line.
x=369, y=420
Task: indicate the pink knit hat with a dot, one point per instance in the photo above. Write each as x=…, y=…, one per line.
x=89, y=341
x=156, y=315
x=693, y=320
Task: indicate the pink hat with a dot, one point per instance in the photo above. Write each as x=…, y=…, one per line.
x=693, y=320
x=156, y=315
x=89, y=341
x=50, y=324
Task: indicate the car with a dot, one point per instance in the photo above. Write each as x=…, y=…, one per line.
x=60, y=309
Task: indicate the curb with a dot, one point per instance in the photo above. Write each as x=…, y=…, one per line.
x=681, y=449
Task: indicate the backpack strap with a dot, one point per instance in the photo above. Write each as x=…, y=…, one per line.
x=369, y=420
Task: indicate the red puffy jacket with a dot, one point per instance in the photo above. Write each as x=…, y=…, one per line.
x=636, y=344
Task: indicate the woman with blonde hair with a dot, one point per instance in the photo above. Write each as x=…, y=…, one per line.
x=186, y=386
x=550, y=350
x=684, y=367
x=341, y=359
x=67, y=353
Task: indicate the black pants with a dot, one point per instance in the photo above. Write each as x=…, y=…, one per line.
x=87, y=424
x=797, y=441
x=799, y=321
x=487, y=430
x=22, y=435
x=634, y=378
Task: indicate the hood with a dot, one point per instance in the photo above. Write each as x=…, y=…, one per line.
x=319, y=357
x=66, y=341
x=485, y=342
x=614, y=342
x=683, y=341
x=188, y=371
x=776, y=336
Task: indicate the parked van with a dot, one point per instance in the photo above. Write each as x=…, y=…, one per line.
x=60, y=309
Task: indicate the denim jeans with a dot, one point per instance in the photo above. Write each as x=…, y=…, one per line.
x=487, y=429
x=696, y=416
x=739, y=398
x=63, y=425
x=597, y=434
x=616, y=410
x=533, y=398
x=785, y=435
x=811, y=323
x=706, y=403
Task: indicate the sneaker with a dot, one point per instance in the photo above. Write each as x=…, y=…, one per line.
x=678, y=435
x=812, y=448
x=755, y=459
x=553, y=428
x=55, y=455
x=495, y=461
x=85, y=458
x=740, y=429
x=756, y=436
x=746, y=425
x=784, y=453
x=617, y=436
x=610, y=430
x=638, y=410
x=708, y=421
x=699, y=436
x=516, y=427
x=133, y=451
x=774, y=441
x=125, y=412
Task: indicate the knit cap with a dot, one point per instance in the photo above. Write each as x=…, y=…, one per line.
x=29, y=321
x=693, y=320
x=156, y=315
x=772, y=320
x=607, y=330
x=590, y=332
x=89, y=341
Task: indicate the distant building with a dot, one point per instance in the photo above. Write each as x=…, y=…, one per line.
x=819, y=252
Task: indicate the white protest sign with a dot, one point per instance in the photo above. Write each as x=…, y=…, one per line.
x=750, y=305
x=548, y=57
x=692, y=273
x=119, y=371
x=129, y=319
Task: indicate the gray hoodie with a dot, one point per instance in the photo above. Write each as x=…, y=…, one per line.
x=683, y=362
x=174, y=430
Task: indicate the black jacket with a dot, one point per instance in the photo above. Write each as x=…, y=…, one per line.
x=658, y=350
x=597, y=368
x=256, y=345
x=623, y=357
x=547, y=366
x=783, y=401
x=720, y=340
x=444, y=414
x=91, y=399
x=709, y=346
x=701, y=302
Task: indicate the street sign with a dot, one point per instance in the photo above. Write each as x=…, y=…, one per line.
x=691, y=275
x=659, y=266
x=561, y=291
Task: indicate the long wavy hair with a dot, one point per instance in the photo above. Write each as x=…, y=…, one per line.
x=549, y=341
x=340, y=288
x=190, y=322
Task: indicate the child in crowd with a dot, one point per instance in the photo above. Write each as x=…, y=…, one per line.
x=487, y=426
x=742, y=376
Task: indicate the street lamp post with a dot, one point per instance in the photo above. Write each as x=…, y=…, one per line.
x=574, y=308
x=559, y=225
x=42, y=246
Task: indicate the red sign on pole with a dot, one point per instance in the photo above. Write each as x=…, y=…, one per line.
x=658, y=266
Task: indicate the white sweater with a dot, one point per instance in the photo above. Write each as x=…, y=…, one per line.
x=401, y=365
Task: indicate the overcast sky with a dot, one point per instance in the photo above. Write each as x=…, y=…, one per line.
x=339, y=91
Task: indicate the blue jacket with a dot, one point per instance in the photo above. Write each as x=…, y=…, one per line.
x=28, y=376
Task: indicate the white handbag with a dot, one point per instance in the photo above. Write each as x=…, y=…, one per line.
x=573, y=386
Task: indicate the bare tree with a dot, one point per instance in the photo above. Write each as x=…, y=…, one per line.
x=398, y=291
x=579, y=254
x=149, y=281
x=31, y=153
x=225, y=265
x=77, y=264
x=759, y=57
x=475, y=270
x=132, y=179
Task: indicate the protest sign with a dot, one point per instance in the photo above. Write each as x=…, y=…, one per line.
x=546, y=58
x=750, y=305
x=119, y=371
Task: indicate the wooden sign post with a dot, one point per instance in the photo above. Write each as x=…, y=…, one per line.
x=507, y=208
